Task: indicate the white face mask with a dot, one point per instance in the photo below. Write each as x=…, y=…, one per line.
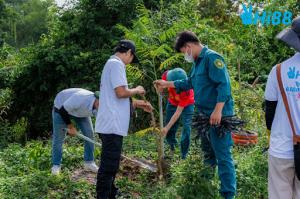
x=189, y=57
x=95, y=111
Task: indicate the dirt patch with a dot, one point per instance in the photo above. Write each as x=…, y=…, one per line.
x=127, y=168
x=81, y=174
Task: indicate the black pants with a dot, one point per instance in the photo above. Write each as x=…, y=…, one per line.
x=109, y=165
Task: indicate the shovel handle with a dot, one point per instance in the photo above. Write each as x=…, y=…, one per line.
x=144, y=165
x=85, y=138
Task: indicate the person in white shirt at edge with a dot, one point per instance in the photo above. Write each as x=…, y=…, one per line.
x=113, y=117
x=282, y=180
x=78, y=105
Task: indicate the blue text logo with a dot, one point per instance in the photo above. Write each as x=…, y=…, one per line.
x=265, y=17
x=292, y=73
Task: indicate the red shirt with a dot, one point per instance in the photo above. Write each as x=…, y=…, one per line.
x=182, y=99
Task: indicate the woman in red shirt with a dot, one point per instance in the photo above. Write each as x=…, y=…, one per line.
x=179, y=107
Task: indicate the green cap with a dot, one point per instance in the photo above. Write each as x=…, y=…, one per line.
x=96, y=94
x=176, y=74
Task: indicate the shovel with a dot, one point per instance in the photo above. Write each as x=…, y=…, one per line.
x=139, y=162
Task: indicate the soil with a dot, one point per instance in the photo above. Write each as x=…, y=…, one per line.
x=127, y=169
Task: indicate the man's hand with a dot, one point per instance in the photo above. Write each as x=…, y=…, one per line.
x=123, y=92
x=145, y=105
x=159, y=89
x=72, y=130
x=215, y=118
x=140, y=90
x=164, y=131
x=161, y=84
x=148, y=107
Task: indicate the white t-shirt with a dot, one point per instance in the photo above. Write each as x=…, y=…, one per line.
x=114, y=113
x=77, y=102
x=281, y=143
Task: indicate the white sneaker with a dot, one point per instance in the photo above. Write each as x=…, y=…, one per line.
x=91, y=166
x=55, y=170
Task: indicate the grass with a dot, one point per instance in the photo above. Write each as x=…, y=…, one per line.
x=25, y=172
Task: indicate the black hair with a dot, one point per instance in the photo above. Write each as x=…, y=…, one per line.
x=183, y=38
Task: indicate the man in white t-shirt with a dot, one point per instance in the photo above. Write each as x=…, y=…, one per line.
x=78, y=105
x=113, y=117
x=282, y=179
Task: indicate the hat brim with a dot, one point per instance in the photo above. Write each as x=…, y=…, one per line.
x=290, y=38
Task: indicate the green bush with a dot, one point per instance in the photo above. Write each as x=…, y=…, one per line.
x=193, y=179
x=25, y=173
x=10, y=132
x=80, y=41
x=72, y=54
x=252, y=171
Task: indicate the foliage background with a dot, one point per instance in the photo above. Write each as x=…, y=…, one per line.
x=44, y=49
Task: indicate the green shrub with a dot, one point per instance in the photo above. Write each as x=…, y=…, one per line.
x=25, y=172
x=10, y=132
x=193, y=179
x=72, y=54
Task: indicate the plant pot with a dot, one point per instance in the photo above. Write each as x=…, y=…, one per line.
x=245, y=138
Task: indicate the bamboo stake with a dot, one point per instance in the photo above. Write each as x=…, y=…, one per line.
x=160, y=138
